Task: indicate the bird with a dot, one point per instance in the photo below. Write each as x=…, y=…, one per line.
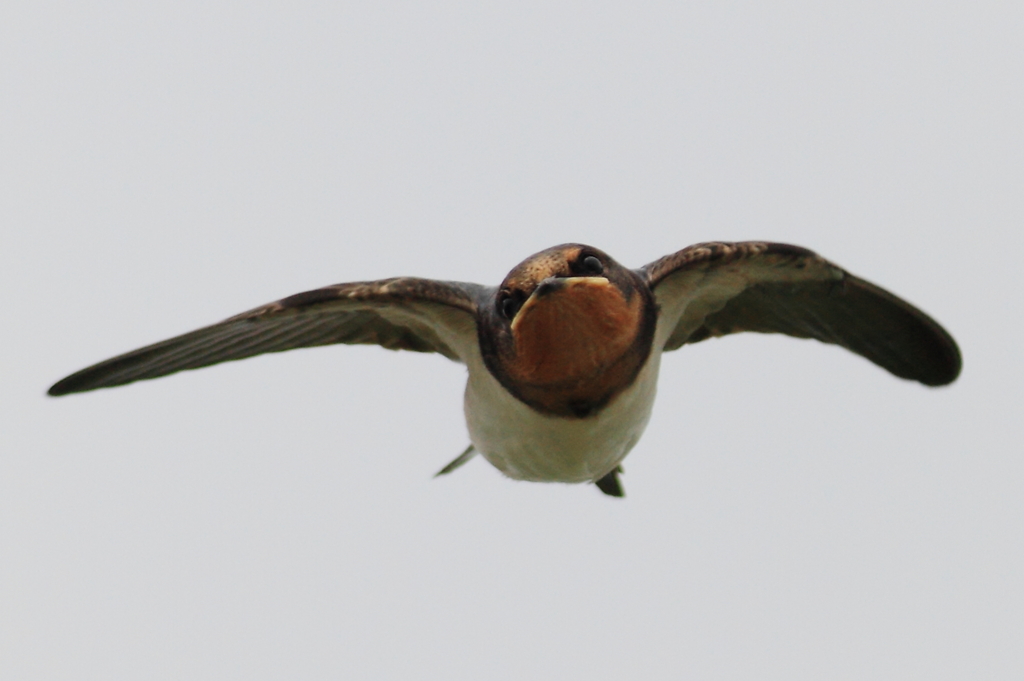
x=563, y=356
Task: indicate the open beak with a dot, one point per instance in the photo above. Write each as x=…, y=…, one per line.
x=558, y=285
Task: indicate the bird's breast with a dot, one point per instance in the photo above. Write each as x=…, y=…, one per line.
x=573, y=332
x=574, y=346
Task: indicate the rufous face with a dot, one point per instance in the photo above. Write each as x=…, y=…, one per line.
x=569, y=329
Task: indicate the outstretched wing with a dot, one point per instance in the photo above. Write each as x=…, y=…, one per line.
x=714, y=289
x=400, y=314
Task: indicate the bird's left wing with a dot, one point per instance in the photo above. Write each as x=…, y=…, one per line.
x=404, y=313
x=718, y=288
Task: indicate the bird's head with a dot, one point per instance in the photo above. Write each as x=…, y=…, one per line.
x=568, y=329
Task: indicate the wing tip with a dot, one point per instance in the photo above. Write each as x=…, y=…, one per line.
x=946, y=370
x=926, y=351
x=75, y=383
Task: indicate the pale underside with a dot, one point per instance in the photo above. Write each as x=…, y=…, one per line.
x=527, y=445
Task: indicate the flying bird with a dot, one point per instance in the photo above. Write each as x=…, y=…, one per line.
x=563, y=356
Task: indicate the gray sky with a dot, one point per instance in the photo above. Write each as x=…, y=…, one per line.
x=793, y=512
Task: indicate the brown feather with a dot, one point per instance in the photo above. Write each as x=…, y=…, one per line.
x=398, y=314
x=715, y=289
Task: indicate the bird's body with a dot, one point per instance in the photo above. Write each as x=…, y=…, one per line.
x=527, y=445
x=563, y=356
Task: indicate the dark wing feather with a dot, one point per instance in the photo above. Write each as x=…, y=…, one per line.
x=406, y=313
x=715, y=289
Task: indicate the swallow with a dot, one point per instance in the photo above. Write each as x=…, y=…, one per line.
x=563, y=356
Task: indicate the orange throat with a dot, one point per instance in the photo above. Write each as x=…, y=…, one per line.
x=573, y=344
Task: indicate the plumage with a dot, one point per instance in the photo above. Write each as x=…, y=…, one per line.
x=563, y=356
x=403, y=313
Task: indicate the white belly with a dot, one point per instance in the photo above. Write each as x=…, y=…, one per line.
x=526, y=445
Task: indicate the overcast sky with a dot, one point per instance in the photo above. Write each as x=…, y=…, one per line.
x=793, y=511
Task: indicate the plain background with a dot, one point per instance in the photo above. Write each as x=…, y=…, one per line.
x=793, y=512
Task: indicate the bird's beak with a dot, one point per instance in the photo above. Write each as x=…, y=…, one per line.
x=562, y=291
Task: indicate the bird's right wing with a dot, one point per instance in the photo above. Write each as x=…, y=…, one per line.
x=404, y=313
x=715, y=289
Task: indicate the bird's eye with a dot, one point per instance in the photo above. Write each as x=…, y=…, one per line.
x=509, y=306
x=592, y=265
